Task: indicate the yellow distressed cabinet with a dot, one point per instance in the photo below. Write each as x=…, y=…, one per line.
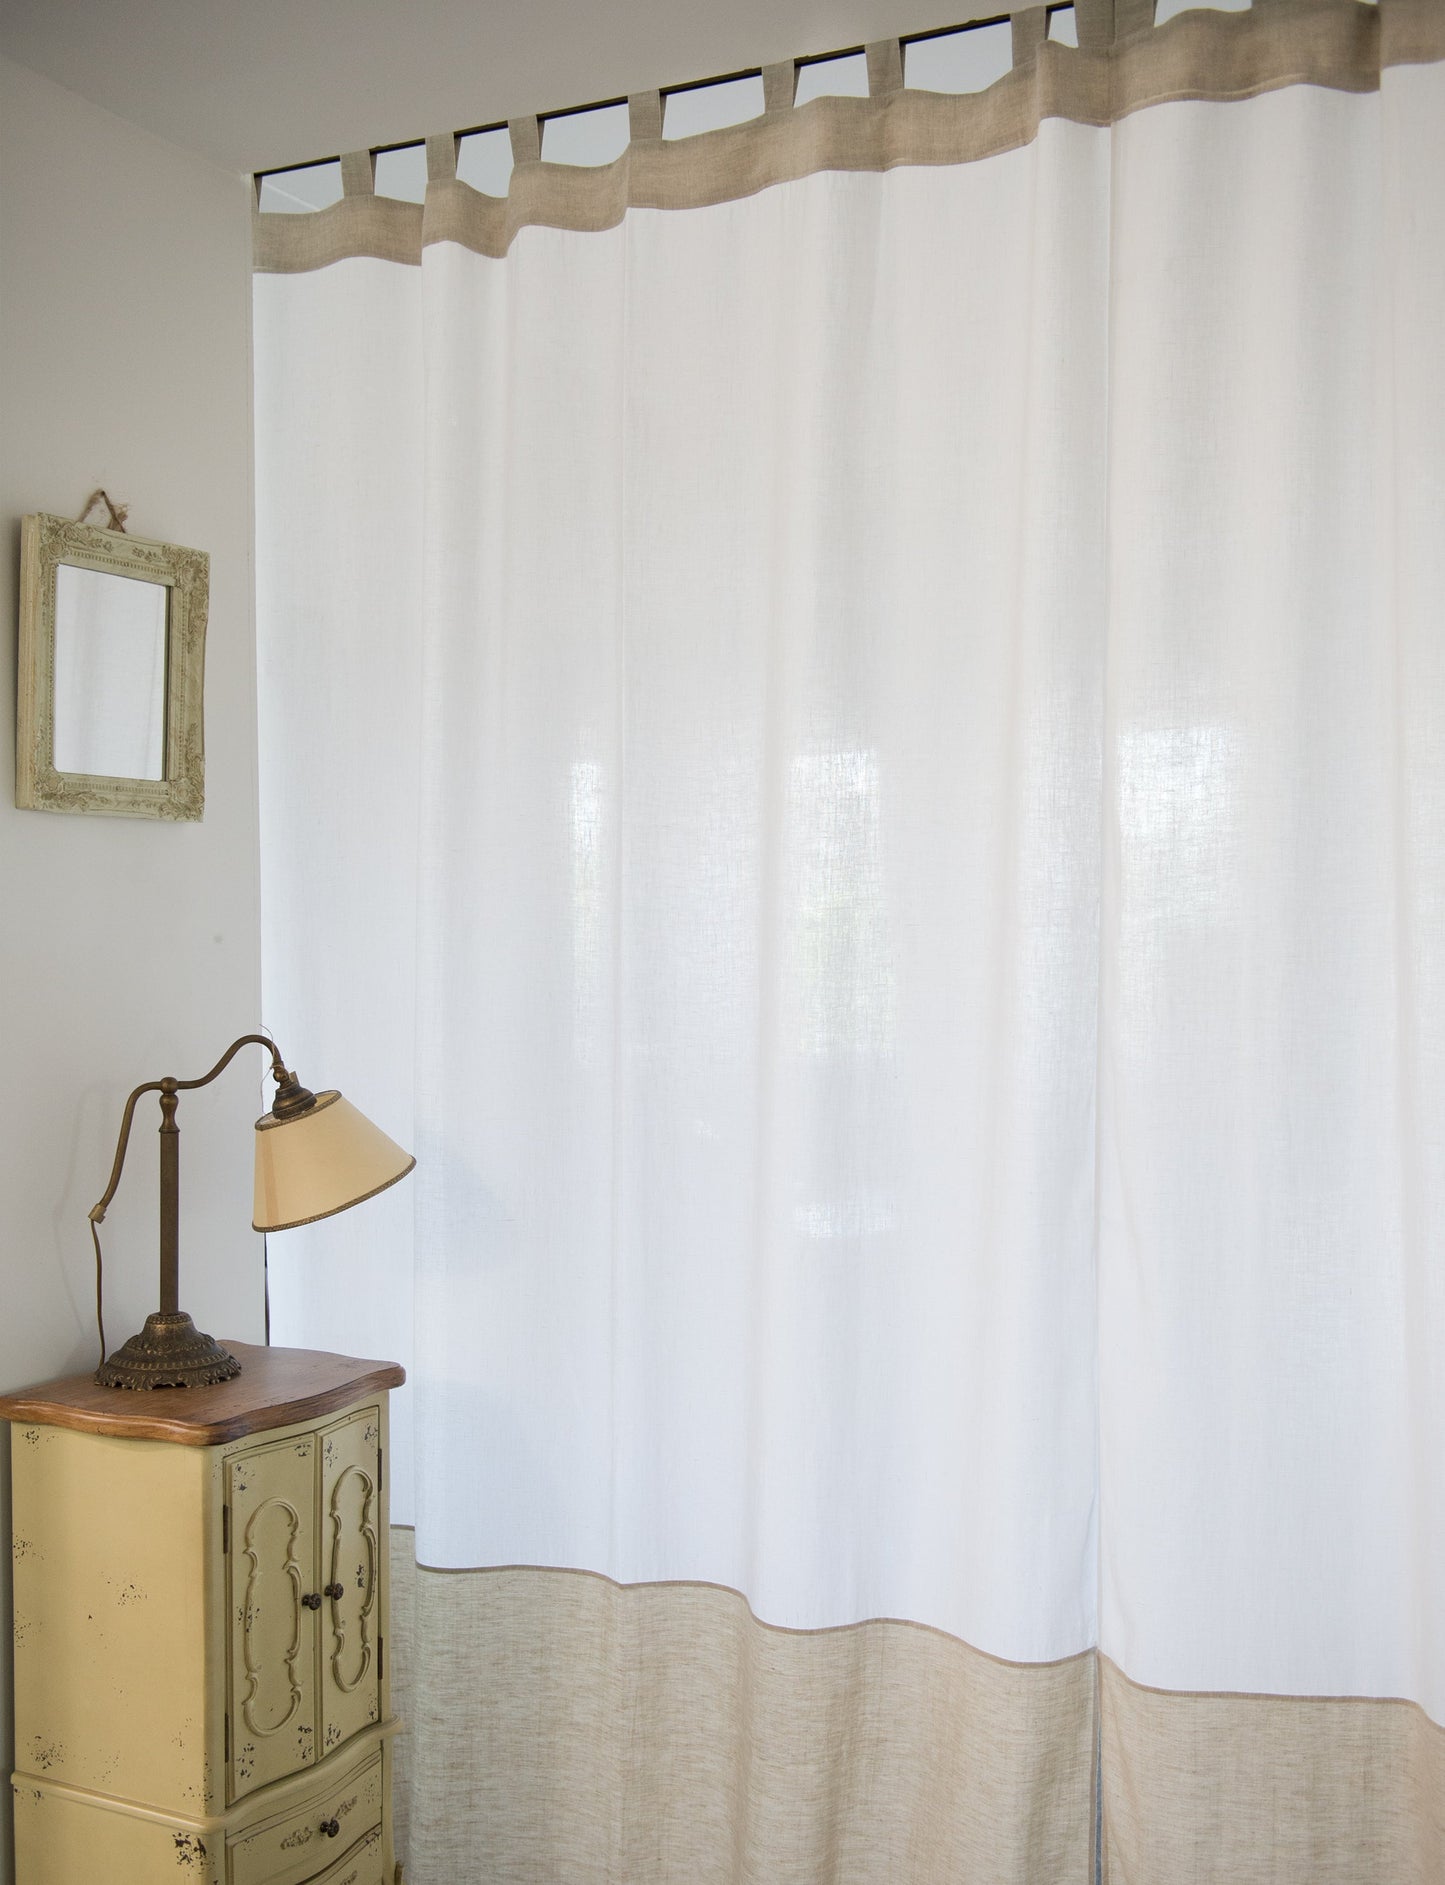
x=200, y=1580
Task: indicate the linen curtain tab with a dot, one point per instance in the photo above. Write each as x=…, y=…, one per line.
x=1122, y=63
x=869, y=695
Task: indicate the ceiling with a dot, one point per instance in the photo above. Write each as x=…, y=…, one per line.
x=258, y=84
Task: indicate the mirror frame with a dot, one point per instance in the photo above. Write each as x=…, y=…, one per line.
x=46, y=542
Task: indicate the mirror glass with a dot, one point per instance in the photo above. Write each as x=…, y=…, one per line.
x=110, y=674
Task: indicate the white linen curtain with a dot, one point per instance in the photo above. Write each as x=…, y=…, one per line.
x=861, y=769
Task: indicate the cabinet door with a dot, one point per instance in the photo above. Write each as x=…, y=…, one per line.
x=272, y=1592
x=351, y=1545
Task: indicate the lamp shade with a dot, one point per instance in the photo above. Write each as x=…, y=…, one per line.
x=313, y=1163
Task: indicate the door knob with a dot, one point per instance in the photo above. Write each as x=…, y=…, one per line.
x=335, y=1592
x=312, y=1600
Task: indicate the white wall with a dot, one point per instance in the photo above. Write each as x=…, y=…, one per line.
x=128, y=949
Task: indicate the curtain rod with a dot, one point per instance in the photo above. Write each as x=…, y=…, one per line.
x=668, y=91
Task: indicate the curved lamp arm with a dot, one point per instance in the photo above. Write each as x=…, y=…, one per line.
x=286, y=1084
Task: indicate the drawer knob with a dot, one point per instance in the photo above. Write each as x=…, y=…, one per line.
x=331, y=1828
x=335, y=1592
x=312, y=1600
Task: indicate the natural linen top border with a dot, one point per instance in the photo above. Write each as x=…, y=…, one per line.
x=1123, y=62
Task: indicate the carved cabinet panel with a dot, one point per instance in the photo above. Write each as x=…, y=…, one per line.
x=271, y=1495
x=351, y=1567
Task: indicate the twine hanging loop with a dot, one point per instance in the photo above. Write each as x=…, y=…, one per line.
x=118, y=512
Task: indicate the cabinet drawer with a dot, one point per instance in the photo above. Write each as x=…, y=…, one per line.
x=295, y=1850
x=361, y=1866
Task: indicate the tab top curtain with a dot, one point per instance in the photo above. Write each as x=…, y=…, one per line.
x=858, y=707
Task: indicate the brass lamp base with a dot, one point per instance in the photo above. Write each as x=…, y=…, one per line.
x=169, y=1352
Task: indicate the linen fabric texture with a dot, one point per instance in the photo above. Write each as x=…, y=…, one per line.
x=869, y=755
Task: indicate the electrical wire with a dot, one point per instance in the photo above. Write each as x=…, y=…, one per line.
x=99, y=1288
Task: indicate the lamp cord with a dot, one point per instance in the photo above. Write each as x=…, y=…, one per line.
x=99, y=1288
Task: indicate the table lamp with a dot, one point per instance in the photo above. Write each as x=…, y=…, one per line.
x=315, y=1155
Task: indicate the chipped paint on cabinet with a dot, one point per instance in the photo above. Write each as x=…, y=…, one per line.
x=62, y=1840
x=115, y=1596
x=175, y=1693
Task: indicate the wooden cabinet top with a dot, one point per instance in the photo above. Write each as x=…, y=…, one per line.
x=277, y=1387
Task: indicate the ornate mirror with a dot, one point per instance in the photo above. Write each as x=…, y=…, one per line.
x=109, y=695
